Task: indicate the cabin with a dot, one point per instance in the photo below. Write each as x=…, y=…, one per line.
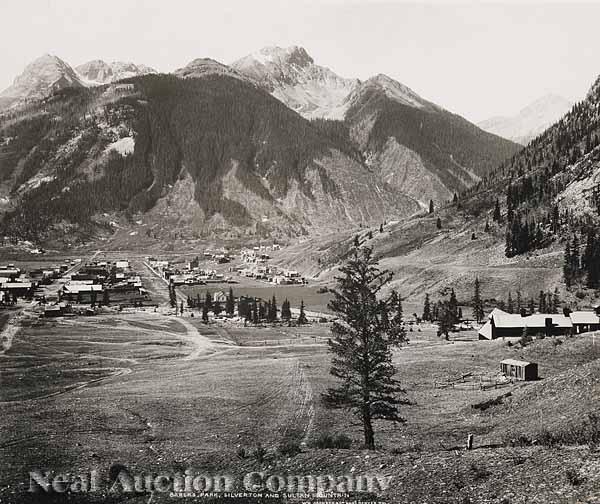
x=509, y=325
x=519, y=370
x=584, y=321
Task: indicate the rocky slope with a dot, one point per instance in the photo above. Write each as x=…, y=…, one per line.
x=39, y=79
x=98, y=72
x=530, y=121
x=417, y=146
x=291, y=75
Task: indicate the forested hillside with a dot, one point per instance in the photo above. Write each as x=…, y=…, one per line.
x=550, y=190
x=454, y=150
x=85, y=152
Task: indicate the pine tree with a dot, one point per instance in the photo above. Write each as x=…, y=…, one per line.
x=427, y=316
x=431, y=209
x=455, y=199
x=575, y=259
x=567, y=264
x=230, y=303
x=363, y=337
x=205, y=313
x=302, y=316
x=172, y=296
x=477, y=303
x=286, y=313
x=217, y=308
x=519, y=302
x=487, y=227
x=556, y=300
x=510, y=307
x=381, y=228
x=438, y=223
x=356, y=241
x=208, y=301
x=497, y=215
x=446, y=319
x=272, y=315
x=543, y=308
x=531, y=306
x=453, y=306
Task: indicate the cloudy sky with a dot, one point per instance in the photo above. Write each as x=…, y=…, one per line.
x=477, y=59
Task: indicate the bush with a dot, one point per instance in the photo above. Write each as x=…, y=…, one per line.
x=525, y=339
x=289, y=447
x=326, y=440
x=240, y=451
x=259, y=453
x=574, y=477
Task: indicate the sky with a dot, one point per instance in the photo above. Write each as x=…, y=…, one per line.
x=476, y=59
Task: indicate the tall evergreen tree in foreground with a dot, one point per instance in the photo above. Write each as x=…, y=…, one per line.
x=362, y=340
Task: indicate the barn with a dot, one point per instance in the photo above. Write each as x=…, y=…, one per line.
x=509, y=325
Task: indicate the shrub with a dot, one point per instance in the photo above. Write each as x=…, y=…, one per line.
x=525, y=339
x=479, y=473
x=573, y=477
x=259, y=453
x=289, y=447
x=240, y=451
x=326, y=440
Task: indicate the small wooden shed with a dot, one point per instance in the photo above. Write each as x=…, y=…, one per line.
x=519, y=370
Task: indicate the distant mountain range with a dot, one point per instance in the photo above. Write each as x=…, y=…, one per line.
x=211, y=148
x=98, y=72
x=48, y=74
x=530, y=121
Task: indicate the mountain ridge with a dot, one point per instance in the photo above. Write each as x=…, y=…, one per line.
x=530, y=121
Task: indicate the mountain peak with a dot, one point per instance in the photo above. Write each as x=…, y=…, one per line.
x=393, y=90
x=291, y=75
x=531, y=120
x=202, y=67
x=292, y=55
x=39, y=79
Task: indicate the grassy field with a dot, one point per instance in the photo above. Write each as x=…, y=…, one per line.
x=160, y=393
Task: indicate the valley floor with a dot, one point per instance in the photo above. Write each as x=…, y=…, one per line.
x=159, y=393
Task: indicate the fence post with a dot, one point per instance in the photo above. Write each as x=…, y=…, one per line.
x=470, y=442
